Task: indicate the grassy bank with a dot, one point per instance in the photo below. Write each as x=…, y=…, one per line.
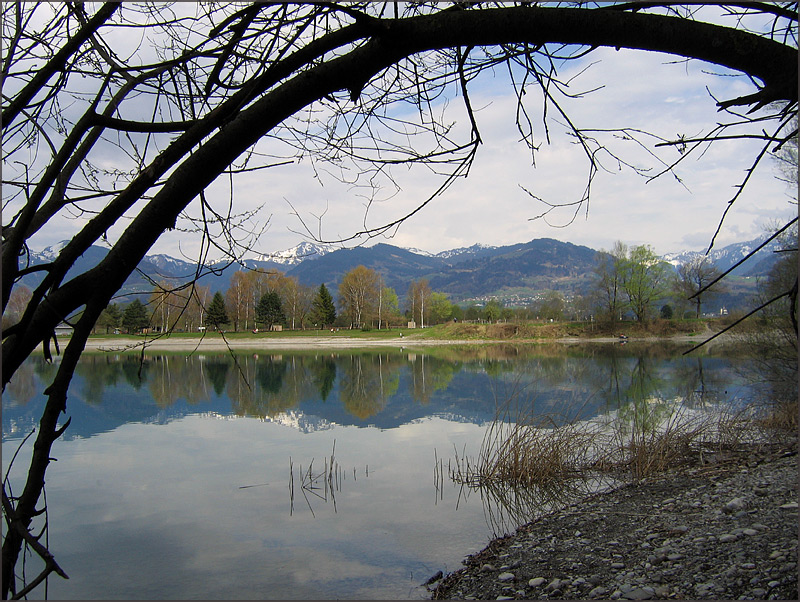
x=558, y=330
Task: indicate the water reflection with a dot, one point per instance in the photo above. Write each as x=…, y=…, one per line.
x=465, y=383
x=168, y=452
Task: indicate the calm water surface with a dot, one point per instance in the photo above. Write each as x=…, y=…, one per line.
x=200, y=476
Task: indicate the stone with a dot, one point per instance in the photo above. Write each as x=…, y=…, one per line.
x=537, y=581
x=505, y=577
x=617, y=565
x=487, y=568
x=598, y=591
x=728, y=537
x=638, y=593
x=735, y=505
x=789, y=506
x=553, y=585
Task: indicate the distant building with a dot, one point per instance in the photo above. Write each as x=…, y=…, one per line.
x=64, y=330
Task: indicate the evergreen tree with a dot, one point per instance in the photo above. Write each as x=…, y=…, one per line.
x=135, y=317
x=217, y=315
x=324, y=310
x=269, y=310
x=110, y=318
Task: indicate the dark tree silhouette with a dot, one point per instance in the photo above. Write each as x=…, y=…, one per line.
x=217, y=315
x=134, y=317
x=122, y=120
x=323, y=307
x=269, y=310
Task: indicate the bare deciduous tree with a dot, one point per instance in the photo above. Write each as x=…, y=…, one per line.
x=118, y=127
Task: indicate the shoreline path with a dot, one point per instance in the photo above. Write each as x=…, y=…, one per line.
x=117, y=343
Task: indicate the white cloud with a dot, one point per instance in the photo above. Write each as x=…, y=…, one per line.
x=640, y=90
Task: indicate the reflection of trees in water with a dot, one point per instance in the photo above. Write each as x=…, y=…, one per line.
x=22, y=386
x=270, y=373
x=569, y=384
x=135, y=369
x=430, y=374
x=257, y=387
x=178, y=377
x=217, y=373
x=323, y=375
x=98, y=373
x=367, y=382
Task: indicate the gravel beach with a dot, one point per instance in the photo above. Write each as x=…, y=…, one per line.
x=215, y=343
x=723, y=532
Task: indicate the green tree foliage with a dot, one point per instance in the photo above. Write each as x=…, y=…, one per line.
x=269, y=310
x=135, y=317
x=388, y=307
x=217, y=315
x=110, y=319
x=492, y=310
x=441, y=308
x=630, y=279
x=645, y=281
x=550, y=306
x=323, y=309
x=418, y=300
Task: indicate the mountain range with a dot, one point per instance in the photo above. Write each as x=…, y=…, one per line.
x=513, y=273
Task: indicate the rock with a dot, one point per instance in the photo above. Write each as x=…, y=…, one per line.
x=735, y=505
x=505, y=577
x=719, y=548
x=789, y=506
x=639, y=593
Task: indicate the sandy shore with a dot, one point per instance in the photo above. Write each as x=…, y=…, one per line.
x=214, y=343
x=122, y=343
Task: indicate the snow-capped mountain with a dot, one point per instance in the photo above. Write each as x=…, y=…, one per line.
x=476, y=249
x=51, y=252
x=420, y=252
x=297, y=254
x=727, y=256
x=170, y=266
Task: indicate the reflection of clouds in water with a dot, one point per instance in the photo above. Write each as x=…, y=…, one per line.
x=167, y=481
x=315, y=564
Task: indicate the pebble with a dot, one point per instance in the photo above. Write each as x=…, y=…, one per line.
x=718, y=540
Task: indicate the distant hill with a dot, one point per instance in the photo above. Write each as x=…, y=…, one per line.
x=470, y=273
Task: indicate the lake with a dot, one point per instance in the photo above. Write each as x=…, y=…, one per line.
x=303, y=475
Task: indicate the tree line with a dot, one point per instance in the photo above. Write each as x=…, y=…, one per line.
x=257, y=300
x=628, y=283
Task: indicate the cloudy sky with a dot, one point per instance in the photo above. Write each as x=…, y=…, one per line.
x=640, y=90
x=643, y=91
